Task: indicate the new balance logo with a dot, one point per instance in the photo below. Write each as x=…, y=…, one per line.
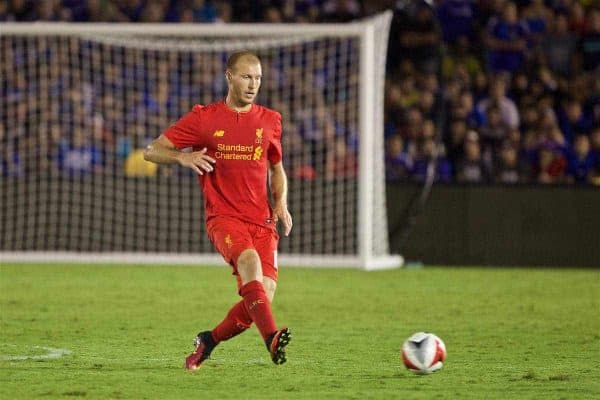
x=228, y=241
x=219, y=133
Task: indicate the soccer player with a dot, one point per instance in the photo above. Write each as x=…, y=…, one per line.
x=236, y=143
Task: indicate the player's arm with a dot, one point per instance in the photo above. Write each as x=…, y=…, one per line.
x=279, y=190
x=163, y=151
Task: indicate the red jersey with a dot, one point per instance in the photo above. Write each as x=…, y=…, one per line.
x=241, y=143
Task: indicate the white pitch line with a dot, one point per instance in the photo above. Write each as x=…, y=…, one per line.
x=51, y=354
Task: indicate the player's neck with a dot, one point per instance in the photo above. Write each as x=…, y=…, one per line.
x=235, y=106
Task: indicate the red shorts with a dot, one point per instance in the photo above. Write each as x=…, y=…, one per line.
x=231, y=237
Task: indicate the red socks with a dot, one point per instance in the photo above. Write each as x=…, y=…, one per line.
x=236, y=322
x=255, y=306
x=258, y=307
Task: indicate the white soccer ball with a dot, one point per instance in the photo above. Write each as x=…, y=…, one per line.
x=423, y=353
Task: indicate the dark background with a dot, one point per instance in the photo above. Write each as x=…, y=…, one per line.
x=500, y=225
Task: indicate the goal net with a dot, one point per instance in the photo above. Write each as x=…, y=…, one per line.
x=80, y=102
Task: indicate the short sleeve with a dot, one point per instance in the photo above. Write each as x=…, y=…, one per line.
x=186, y=131
x=274, y=153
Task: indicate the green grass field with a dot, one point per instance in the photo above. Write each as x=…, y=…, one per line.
x=510, y=333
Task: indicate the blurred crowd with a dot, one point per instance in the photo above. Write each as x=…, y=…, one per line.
x=499, y=91
x=495, y=91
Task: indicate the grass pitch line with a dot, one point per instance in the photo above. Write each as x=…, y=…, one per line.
x=51, y=354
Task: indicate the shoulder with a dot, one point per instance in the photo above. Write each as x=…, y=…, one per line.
x=209, y=111
x=268, y=113
x=206, y=109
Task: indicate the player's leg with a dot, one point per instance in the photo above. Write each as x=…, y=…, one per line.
x=270, y=286
x=266, y=241
x=230, y=240
x=238, y=320
x=249, y=268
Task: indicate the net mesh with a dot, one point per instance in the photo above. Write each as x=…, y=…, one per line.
x=78, y=110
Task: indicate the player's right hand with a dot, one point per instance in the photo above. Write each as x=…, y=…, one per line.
x=199, y=161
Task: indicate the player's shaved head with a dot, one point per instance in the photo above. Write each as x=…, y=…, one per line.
x=241, y=56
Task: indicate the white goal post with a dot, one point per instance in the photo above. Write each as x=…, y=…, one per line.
x=80, y=100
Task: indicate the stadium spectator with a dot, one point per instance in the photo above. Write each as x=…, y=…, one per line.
x=509, y=169
x=19, y=10
x=399, y=163
x=413, y=124
x=559, y=46
x=272, y=15
x=224, y=13
x=479, y=88
x=466, y=110
x=132, y=9
x=50, y=10
x=497, y=95
x=455, y=139
x=10, y=161
x=494, y=130
x=537, y=17
x=577, y=22
x=340, y=10
x=506, y=40
x=581, y=161
x=341, y=163
x=100, y=11
x=551, y=164
x=427, y=149
x=415, y=34
x=470, y=167
x=4, y=15
x=203, y=11
x=572, y=120
x=590, y=42
x=79, y=156
x=154, y=11
x=460, y=58
x=426, y=104
x=457, y=19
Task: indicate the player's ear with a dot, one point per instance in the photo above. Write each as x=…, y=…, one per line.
x=228, y=76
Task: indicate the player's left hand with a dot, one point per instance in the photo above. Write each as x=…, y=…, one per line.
x=280, y=212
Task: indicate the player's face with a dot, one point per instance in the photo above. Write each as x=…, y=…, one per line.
x=244, y=82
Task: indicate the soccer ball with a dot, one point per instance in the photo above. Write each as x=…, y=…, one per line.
x=423, y=353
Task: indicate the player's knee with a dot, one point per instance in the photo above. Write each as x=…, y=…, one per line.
x=249, y=266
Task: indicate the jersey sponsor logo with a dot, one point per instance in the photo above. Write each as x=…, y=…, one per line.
x=238, y=152
x=240, y=148
x=234, y=152
x=259, y=135
x=257, y=153
x=228, y=240
x=219, y=133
